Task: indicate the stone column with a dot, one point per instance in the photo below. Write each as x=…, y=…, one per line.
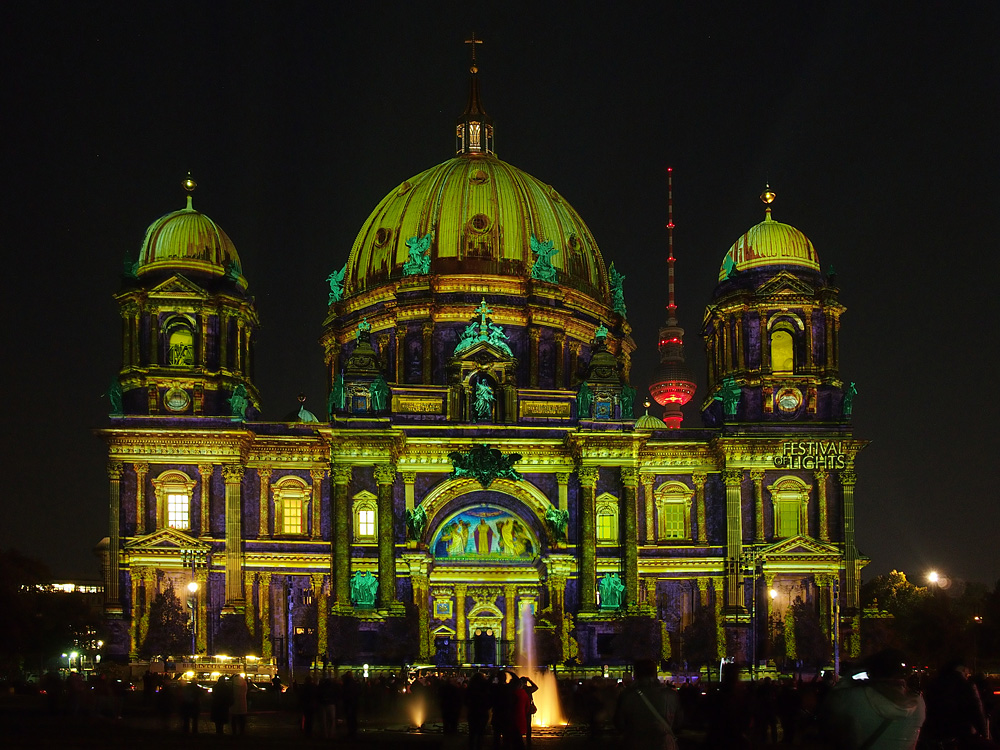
x=154, y=337
x=205, y=472
x=233, y=474
x=587, y=545
x=560, y=348
x=341, y=538
x=426, y=358
x=409, y=479
x=461, y=631
x=201, y=610
x=703, y=591
x=574, y=362
x=385, y=475
x=647, y=494
x=821, y=500
x=718, y=585
x=112, y=604
x=135, y=623
x=264, y=525
x=734, y=536
x=650, y=604
x=141, y=469
x=401, y=353
x=510, y=613
x=264, y=607
x=699, y=480
x=250, y=614
x=322, y=613
x=810, y=354
x=740, y=359
x=534, y=337
x=223, y=340
x=630, y=485
x=418, y=566
x=848, y=478
x=824, y=586
x=757, y=476
x=317, y=503
x=150, y=591
x=562, y=479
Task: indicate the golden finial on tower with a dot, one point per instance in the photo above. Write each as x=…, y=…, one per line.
x=189, y=184
x=768, y=195
x=473, y=68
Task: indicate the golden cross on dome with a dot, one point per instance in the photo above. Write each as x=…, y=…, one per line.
x=473, y=42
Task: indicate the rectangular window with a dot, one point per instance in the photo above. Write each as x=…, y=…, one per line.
x=606, y=531
x=787, y=522
x=673, y=520
x=178, y=508
x=366, y=523
x=291, y=515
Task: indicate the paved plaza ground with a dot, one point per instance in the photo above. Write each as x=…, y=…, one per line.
x=25, y=723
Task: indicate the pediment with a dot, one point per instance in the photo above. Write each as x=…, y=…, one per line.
x=483, y=352
x=799, y=546
x=167, y=540
x=178, y=284
x=785, y=284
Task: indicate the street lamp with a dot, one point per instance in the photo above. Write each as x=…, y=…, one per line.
x=193, y=606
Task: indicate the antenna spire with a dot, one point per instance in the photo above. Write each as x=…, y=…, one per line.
x=671, y=301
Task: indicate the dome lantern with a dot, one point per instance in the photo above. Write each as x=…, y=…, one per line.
x=474, y=128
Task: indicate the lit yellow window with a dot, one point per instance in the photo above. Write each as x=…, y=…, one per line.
x=291, y=515
x=673, y=521
x=181, y=351
x=673, y=510
x=291, y=503
x=365, y=517
x=366, y=523
x=178, y=509
x=787, y=519
x=607, y=519
x=782, y=355
x=790, y=500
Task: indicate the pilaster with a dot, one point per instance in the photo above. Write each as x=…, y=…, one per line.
x=560, y=346
x=821, y=477
x=341, y=541
x=630, y=485
x=141, y=470
x=588, y=539
x=426, y=357
x=385, y=476
x=233, y=474
x=112, y=604
x=316, y=528
x=461, y=631
x=699, y=480
x=264, y=605
x=757, y=476
x=848, y=478
x=534, y=337
x=562, y=479
x=321, y=598
x=265, y=473
x=647, y=495
x=733, y=479
x=201, y=610
x=205, y=472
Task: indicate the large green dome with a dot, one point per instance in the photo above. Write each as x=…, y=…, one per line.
x=481, y=214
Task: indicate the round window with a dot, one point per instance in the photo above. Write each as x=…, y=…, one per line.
x=480, y=222
x=176, y=400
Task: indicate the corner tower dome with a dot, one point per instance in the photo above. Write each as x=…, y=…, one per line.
x=189, y=241
x=769, y=243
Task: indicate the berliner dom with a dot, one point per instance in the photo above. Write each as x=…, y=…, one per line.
x=480, y=465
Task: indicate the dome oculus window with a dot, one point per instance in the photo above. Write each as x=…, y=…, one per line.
x=382, y=236
x=176, y=400
x=480, y=223
x=479, y=178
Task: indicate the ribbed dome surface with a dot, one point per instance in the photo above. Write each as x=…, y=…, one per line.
x=647, y=423
x=187, y=240
x=770, y=243
x=481, y=214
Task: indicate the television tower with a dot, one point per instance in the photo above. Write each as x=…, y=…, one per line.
x=673, y=384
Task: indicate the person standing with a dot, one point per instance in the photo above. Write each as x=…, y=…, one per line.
x=238, y=713
x=478, y=700
x=880, y=713
x=222, y=698
x=647, y=712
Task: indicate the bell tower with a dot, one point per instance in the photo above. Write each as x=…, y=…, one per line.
x=188, y=324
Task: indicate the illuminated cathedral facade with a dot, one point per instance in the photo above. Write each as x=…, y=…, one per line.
x=479, y=464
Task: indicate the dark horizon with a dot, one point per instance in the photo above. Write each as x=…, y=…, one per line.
x=875, y=130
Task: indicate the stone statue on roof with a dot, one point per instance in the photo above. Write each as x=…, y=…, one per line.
x=419, y=261
x=617, y=292
x=543, y=270
x=336, y=280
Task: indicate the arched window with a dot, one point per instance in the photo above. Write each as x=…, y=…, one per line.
x=782, y=352
x=173, y=500
x=673, y=510
x=291, y=506
x=607, y=519
x=365, y=517
x=790, y=501
x=180, y=341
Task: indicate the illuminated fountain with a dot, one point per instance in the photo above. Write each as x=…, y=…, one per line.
x=546, y=698
x=416, y=707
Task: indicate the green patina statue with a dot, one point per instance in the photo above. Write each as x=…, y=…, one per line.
x=484, y=464
x=729, y=395
x=584, y=400
x=483, y=329
x=849, y=394
x=233, y=271
x=617, y=292
x=336, y=280
x=601, y=333
x=628, y=402
x=611, y=589
x=419, y=261
x=543, y=270
x=115, y=396
x=485, y=399
x=337, y=398
x=364, y=328
x=416, y=522
x=557, y=520
x=238, y=403
x=378, y=391
x=364, y=587
x=131, y=270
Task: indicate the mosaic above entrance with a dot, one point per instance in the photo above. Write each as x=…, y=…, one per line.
x=484, y=532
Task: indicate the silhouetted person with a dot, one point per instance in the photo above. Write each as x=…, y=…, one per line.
x=238, y=712
x=878, y=713
x=222, y=698
x=954, y=710
x=647, y=711
x=351, y=692
x=305, y=693
x=478, y=701
x=190, y=706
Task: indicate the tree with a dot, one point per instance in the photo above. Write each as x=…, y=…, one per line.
x=701, y=639
x=811, y=644
x=234, y=638
x=169, y=627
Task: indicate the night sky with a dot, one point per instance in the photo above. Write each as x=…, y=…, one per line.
x=876, y=126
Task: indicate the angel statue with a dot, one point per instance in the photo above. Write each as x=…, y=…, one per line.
x=336, y=280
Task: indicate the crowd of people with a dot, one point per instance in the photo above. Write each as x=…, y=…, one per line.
x=881, y=704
